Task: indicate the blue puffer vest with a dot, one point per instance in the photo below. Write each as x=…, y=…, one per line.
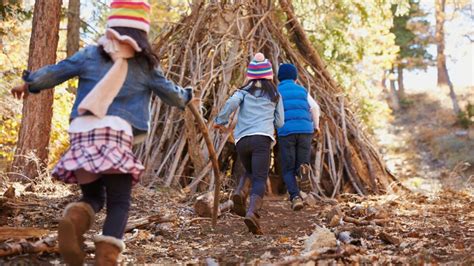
x=297, y=113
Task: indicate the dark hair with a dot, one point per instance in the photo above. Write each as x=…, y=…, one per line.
x=266, y=87
x=141, y=37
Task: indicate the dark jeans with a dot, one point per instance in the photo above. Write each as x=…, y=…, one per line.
x=295, y=150
x=254, y=152
x=117, y=189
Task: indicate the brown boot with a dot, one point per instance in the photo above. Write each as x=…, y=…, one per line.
x=77, y=219
x=303, y=178
x=240, y=196
x=252, y=216
x=107, y=250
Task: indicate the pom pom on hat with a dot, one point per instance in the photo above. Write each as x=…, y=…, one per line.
x=260, y=68
x=259, y=57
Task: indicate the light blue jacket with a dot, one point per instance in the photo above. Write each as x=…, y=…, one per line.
x=133, y=100
x=257, y=114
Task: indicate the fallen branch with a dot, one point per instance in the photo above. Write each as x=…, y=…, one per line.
x=18, y=233
x=380, y=222
x=144, y=222
x=47, y=245
x=204, y=205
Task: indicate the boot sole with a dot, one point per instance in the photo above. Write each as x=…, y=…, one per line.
x=253, y=227
x=68, y=247
x=239, y=205
x=298, y=207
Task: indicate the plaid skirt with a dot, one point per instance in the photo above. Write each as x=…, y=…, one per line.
x=97, y=151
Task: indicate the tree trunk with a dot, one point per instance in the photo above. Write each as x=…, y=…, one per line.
x=37, y=109
x=394, y=100
x=383, y=82
x=443, y=76
x=73, y=26
x=401, y=85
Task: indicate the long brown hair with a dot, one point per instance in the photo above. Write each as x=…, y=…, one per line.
x=141, y=37
x=266, y=86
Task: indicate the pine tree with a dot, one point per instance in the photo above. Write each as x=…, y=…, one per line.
x=37, y=109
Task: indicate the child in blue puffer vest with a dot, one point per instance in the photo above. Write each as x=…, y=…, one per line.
x=294, y=138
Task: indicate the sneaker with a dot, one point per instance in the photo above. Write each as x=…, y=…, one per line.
x=304, y=178
x=297, y=203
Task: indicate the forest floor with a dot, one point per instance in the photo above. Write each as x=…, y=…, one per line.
x=432, y=224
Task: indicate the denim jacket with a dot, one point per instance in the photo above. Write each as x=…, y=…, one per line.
x=132, y=102
x=258, y=115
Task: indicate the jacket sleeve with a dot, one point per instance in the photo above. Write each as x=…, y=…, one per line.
x=230, y=106
x=52, y=75
x=279, y=114
x=315, y=111
x=169, y=92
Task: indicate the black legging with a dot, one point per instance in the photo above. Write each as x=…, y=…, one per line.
x=117, y=189
x=254, y=152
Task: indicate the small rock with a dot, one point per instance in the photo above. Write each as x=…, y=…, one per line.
x=358, y=210
x=310, y=200
x=461, y=133
x=345, y=237
x=267, y=255
x=211, y=262
x=320, y=241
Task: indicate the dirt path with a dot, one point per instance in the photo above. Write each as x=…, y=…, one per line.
x=423, y=229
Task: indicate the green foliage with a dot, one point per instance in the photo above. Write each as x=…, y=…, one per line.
x=9, y=128
x=354, y=39
x=406, y=102
x=466, y=117
x=412, y=36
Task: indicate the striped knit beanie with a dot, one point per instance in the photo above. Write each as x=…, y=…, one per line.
x=260, y=68
x=130, y=13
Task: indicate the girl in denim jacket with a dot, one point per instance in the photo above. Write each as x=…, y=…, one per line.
x=116, y=80
x=261, y=110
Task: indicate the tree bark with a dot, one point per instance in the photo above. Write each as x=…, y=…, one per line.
x=443, y=75
x=37, y=109
x=401, y=85
x=394, y=101
x=383, y=81
x=73, y=27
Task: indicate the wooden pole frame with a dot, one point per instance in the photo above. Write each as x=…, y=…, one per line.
x=212, y=155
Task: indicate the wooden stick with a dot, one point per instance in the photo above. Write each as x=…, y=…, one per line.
x=44, y=245
x=212, y=156
x=142, y=222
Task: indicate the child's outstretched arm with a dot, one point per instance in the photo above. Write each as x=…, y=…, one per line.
x=169, y=92
x=315, y=111
x=279, y=113
x=230, y=106
x=52, y=75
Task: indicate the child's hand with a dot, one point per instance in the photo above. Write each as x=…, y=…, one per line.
x=20, y=92
x=221, y=128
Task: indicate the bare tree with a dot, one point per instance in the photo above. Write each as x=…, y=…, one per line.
x=443, y=75
x=73, y=26
x=37, y=109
